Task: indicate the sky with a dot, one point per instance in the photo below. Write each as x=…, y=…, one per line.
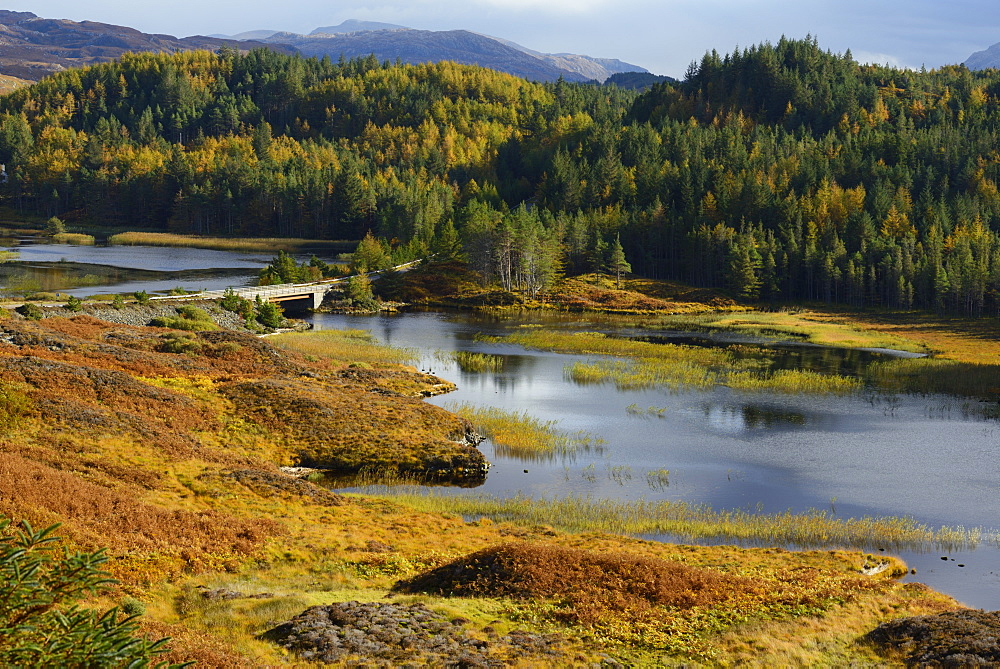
x=663, y=36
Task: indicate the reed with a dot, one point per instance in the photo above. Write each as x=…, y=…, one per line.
x=521, y=436
x=248, y=244
x=814, y=529
x=469, y=361
x=793, y=381
x=344, y=346
x=73, y=239
x=7, y=256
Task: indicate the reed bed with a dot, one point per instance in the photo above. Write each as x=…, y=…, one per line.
x=469, y=361
x=644, y=373
x=793, y=381
x=675, y=367
x=521, y=436
x=7, y=256
x=815, y=529
x=248, y=244
x=73, y=239
x=344, y=346
x=929, y=376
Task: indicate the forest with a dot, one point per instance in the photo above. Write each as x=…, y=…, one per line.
x=777, y=172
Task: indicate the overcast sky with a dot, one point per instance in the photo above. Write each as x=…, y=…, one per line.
x=661, y=35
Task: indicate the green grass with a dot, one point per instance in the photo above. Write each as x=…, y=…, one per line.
x=816, y=529
x=519, y=435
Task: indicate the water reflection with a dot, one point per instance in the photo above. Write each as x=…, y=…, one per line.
x=924, y=455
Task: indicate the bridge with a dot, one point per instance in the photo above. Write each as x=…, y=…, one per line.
x=291, y=296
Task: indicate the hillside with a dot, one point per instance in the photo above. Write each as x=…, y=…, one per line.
x=779, y=172
x=426, y=46
x=33, y=47
x=985, y=59
x=164, y=448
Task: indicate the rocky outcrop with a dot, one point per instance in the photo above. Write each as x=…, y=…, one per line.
x=387, y=635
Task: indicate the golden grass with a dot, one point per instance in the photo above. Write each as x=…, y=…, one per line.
x=145, y=452
x=519, y=435
x=255, y=244
x=73, y=238
x=673, y=366
x=694, y=521
x=343, y=346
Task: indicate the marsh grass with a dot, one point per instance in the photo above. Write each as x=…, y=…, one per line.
x=343, y=346
x=7, y=256
x=247, y=244
x=815, y=529
x=793, y=381
x=931, y=376
x=73, y=239
x=521, y=436
x=643, y=365
x=469, y=361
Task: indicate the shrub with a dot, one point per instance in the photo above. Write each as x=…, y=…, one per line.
x=189, y=317
x=74, y=303
x=54, y=226
x=40, y=623
x=142, y=297
x=269, y=314
x=118, y=302
x=32, y=312
x=176, y=342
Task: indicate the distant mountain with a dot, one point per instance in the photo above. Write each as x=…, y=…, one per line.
x=592, y=69
x=354, y=26
x=32, y=47
x=422, y=46
x=982, y=60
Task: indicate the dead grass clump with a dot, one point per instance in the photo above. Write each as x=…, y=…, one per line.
x=187, y=645
x=962, y=638
x=591, y=586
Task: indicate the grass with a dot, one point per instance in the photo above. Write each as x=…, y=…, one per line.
x=519, y=435
x=245, y=244
x=7, y=256
x=817, y=529
x=343, y=346
x=804, y=325
x=171, y=461
x=469, y=361
x=673, y=366
x=73, y=238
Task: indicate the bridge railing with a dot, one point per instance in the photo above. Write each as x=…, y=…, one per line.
x=277, y=290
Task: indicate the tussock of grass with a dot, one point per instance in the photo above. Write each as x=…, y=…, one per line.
x=469, y=361
x=519, y=435
x=344, y=346
x=694, y=521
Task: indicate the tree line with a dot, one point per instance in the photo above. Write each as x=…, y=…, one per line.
x=778, y=172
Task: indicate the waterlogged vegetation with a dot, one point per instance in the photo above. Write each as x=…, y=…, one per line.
x=696, y=522
x=521, y=436
x=243, y=244
x=677, y=367
x=469, y=361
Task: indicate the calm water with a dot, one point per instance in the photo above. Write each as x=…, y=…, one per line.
x=90, y=270
x=904, y=455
